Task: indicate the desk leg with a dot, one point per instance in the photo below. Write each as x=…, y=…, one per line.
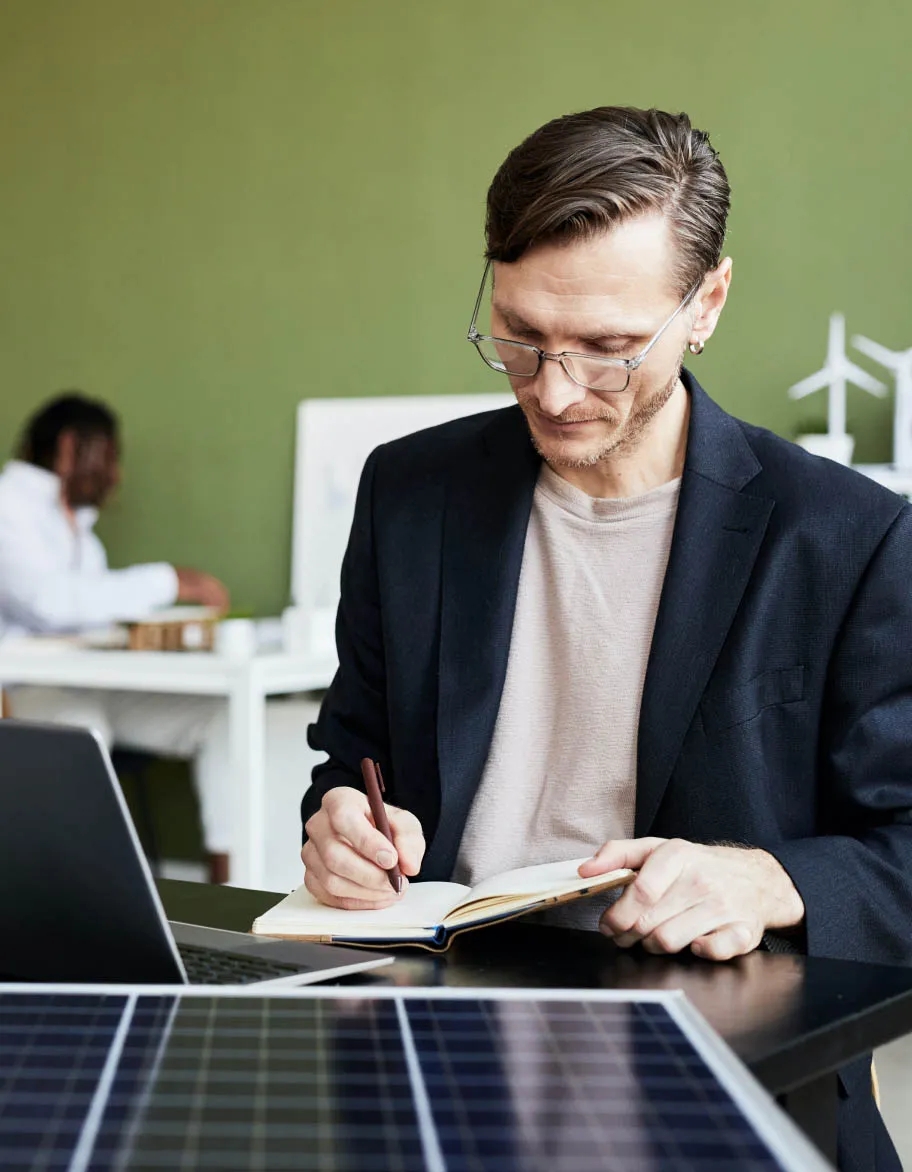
x=813, y=1107
x=247, y=718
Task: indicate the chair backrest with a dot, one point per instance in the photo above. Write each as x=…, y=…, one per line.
x=334, y=438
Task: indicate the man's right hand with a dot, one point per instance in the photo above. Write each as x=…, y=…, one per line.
x=347, y=857
x=203, y=589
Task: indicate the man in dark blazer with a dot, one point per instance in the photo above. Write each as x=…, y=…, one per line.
x=770, y=762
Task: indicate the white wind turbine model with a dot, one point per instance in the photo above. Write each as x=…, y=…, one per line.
x=900, y=363
x=836, y=372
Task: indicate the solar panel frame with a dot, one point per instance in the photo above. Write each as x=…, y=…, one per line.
x=418, y=1020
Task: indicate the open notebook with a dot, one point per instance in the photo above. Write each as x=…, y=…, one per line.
x=430, y=914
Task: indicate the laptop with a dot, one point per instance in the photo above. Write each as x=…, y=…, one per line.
x=77, y=898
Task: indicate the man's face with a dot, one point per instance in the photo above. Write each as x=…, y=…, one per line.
x=89, y=468
x=606, y=296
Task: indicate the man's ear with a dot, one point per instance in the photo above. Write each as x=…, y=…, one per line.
x=710, y=301
x=65, y=456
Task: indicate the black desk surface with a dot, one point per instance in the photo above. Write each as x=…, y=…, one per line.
x=790, y=1019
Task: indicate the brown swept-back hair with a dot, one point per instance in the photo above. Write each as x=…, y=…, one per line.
x=584, y=173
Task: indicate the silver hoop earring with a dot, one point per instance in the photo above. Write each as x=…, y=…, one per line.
x=696, y=347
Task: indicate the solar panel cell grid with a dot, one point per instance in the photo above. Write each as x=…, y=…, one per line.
x=262, y=1084
x=559, y=1086
x=51, y=1056
x=361, y=1085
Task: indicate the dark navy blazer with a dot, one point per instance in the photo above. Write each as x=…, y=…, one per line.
x=777, y=707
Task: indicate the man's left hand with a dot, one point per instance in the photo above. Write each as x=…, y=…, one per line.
x=716, y=900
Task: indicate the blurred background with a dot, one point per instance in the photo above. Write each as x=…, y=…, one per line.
x=211, y=209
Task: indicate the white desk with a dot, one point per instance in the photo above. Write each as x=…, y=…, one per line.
x=245, y=683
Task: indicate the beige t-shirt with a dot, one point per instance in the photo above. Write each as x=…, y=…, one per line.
x=560, y=778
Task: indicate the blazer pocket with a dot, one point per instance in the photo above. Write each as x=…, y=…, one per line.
x=741, y=704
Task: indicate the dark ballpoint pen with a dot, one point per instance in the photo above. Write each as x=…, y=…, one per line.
x=373, y=781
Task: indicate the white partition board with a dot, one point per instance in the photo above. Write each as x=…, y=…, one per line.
x=334, y=438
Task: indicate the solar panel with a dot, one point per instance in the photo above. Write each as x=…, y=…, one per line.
x=376, y=1080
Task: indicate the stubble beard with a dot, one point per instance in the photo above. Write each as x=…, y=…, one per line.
x=624, y=441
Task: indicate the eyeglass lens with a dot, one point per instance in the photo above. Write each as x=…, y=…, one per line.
x=523, y=361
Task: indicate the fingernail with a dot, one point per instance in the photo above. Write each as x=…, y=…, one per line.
x=385, y=859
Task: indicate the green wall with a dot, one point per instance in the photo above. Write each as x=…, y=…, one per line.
x=210, y=209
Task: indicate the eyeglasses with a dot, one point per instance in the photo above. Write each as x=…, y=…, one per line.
x=520, y=360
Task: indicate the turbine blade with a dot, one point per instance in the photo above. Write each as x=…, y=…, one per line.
x=881, y=354
x=813, y=382
x=867, y=382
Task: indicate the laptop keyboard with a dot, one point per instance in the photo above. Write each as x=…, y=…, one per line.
x=207, y=966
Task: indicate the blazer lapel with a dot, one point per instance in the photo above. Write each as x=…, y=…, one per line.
x=487, y=514
x=717, y=536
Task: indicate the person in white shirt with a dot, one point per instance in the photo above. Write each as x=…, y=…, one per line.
x=54, y=573
x=54, y=577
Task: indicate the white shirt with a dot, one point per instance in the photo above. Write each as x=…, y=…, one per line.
x=54, y=575
x=560, y=778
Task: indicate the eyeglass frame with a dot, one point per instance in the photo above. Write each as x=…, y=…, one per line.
x=628, y=364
